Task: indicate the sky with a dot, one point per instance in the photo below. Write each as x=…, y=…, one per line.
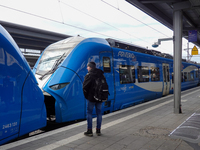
x=115, y=19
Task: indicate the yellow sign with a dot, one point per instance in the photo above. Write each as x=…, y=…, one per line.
x=194, y=51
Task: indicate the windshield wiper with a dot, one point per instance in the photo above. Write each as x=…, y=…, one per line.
x=58, y=61
x=54, y=68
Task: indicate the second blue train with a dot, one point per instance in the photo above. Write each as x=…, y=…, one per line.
x=134, y=74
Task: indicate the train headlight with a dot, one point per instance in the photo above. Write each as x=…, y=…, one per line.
x=58, y=86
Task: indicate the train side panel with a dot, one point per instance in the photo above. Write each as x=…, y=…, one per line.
x=130, y=85
x=14, y=72
x=33, y=114
x=12, y=76
x=190, y=76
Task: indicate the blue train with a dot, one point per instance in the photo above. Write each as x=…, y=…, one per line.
x=22, y=107
x=134, y=75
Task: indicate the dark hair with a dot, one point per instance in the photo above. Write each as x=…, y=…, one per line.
x=91, y=65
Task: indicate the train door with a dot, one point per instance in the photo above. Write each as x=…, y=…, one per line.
x=166, y=80
x=107, y=66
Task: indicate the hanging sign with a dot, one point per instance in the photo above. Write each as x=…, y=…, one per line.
x=192, y=35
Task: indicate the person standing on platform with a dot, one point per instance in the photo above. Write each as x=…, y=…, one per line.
x=88, y=90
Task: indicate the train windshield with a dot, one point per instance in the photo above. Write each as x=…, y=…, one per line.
x=55, y=54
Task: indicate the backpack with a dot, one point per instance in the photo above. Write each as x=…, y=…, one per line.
x=101, y=89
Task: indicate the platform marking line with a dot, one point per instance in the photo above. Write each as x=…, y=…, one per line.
x=80, y=135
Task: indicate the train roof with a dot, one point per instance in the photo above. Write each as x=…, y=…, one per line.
x=136, y=48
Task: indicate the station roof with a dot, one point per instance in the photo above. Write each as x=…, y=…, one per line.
x=162, y=10
x=32, y=38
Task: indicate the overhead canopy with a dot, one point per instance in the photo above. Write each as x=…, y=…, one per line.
x=162, y=10
x=32, y=38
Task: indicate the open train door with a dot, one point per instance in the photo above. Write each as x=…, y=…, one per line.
x=166, y=80
x=106, y=64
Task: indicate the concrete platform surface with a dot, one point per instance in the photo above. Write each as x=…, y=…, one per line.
x=141, y=127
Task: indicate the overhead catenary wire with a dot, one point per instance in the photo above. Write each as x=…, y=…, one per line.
x=62, y=22
x=61, y=12
x=114, y=26
x=134, y=18
x=103, y=21
x=45, y=18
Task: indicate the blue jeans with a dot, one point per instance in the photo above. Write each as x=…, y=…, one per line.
x=90, y=106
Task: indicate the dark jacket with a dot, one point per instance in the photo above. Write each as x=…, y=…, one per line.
x=88, y=83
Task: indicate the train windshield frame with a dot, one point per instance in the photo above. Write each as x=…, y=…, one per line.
x=55, y=54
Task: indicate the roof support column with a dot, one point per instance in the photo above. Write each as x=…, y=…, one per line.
x=177, y=25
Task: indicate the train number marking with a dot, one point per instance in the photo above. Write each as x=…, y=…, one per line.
x=9, y=125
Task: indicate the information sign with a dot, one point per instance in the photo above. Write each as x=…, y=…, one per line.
x=192, y=36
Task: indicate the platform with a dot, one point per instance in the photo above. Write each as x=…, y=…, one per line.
x=141, y=127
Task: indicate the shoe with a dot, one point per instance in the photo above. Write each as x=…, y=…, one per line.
x=88, y=133
x=98, y=132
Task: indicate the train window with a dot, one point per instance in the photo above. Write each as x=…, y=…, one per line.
x=164, y=73
x=185, y=76
x=1, y=53
x=167, y=73
x=155, y=74
x=133, y=73
x=199, y=73
x=182, y=77
x=196, y=73
x=189, y=76
x=106, y=64
x=192, y=76
x=127, y=74
x=143, y=74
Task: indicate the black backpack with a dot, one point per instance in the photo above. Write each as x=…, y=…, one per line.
x=101, y=89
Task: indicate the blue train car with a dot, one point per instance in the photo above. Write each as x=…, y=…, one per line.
x=134, y=75
x=22, y=107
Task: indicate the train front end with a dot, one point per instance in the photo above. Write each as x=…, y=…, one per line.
x=61, y=85
x=22, y=108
